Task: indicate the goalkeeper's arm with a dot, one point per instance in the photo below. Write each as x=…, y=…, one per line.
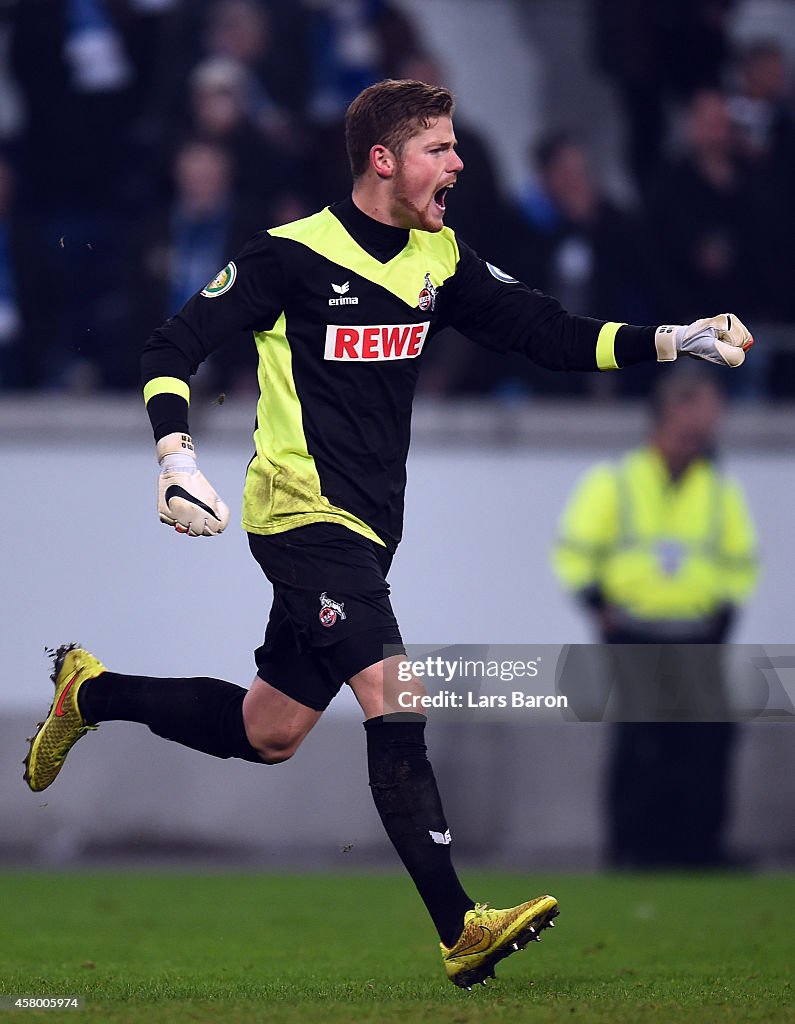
x=185, y=499
x=246, y=295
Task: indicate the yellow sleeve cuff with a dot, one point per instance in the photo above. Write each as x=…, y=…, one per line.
x=166, y=386
x=605, y=346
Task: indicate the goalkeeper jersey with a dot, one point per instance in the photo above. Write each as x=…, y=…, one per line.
x=342, y=309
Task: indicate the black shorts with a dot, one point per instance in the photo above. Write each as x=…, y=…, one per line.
x=331, y=615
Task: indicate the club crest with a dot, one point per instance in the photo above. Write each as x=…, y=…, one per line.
x=330, y=611
x=427, y=299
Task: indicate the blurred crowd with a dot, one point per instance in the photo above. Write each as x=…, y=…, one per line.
x=143, y=141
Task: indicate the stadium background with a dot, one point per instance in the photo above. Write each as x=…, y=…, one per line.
x=85, y=273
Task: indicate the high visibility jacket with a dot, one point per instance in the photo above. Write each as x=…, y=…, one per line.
x=657, y=550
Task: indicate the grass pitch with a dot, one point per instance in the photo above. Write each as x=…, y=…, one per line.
x=316, y=948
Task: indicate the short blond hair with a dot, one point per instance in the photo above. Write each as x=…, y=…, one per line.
x=388, y=114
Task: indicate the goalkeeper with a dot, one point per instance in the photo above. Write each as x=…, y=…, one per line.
x=341, y=306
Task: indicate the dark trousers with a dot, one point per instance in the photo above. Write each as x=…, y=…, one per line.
x=667, y=794
x=668, y=772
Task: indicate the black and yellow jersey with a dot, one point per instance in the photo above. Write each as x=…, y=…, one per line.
x=342, y=309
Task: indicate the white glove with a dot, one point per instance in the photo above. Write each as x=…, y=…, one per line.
x=185, y=500
x=722, y=339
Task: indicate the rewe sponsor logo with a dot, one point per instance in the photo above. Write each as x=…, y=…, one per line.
x=382, y=342
x=343, y=299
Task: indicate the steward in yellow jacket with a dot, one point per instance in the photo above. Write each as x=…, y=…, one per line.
x=660, y=547
x=660, y=544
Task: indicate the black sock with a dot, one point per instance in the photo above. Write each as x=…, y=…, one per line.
x=406, y=797
x=204, y=714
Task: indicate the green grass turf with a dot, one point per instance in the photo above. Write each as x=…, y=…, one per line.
x=242, y=948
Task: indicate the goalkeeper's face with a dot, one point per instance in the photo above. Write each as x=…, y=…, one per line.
x=426, y=169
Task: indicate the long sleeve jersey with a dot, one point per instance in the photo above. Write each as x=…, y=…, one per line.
x=342, y=308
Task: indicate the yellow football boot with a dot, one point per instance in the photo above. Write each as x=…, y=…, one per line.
x=64, y=725
x=491, y=935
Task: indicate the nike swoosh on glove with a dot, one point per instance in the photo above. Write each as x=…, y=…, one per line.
x=722, y=339
x=185, y=498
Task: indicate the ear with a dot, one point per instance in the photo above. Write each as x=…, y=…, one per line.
x=383, y=161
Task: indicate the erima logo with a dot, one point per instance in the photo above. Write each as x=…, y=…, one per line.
x=385, y=341
x=344, y=299
x=441, y=838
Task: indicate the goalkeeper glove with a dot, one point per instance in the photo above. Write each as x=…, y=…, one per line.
x=185, y=500
x=722, y=339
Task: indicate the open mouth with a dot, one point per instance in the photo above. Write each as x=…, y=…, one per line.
x=440, y=197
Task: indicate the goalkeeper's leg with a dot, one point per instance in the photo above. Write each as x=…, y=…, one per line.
x=216, y=717
x=407, y=799
x=473, y=938
x=210, y=715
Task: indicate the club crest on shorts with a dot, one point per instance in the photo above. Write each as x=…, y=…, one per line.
x=427, y=299
x=330, y=611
